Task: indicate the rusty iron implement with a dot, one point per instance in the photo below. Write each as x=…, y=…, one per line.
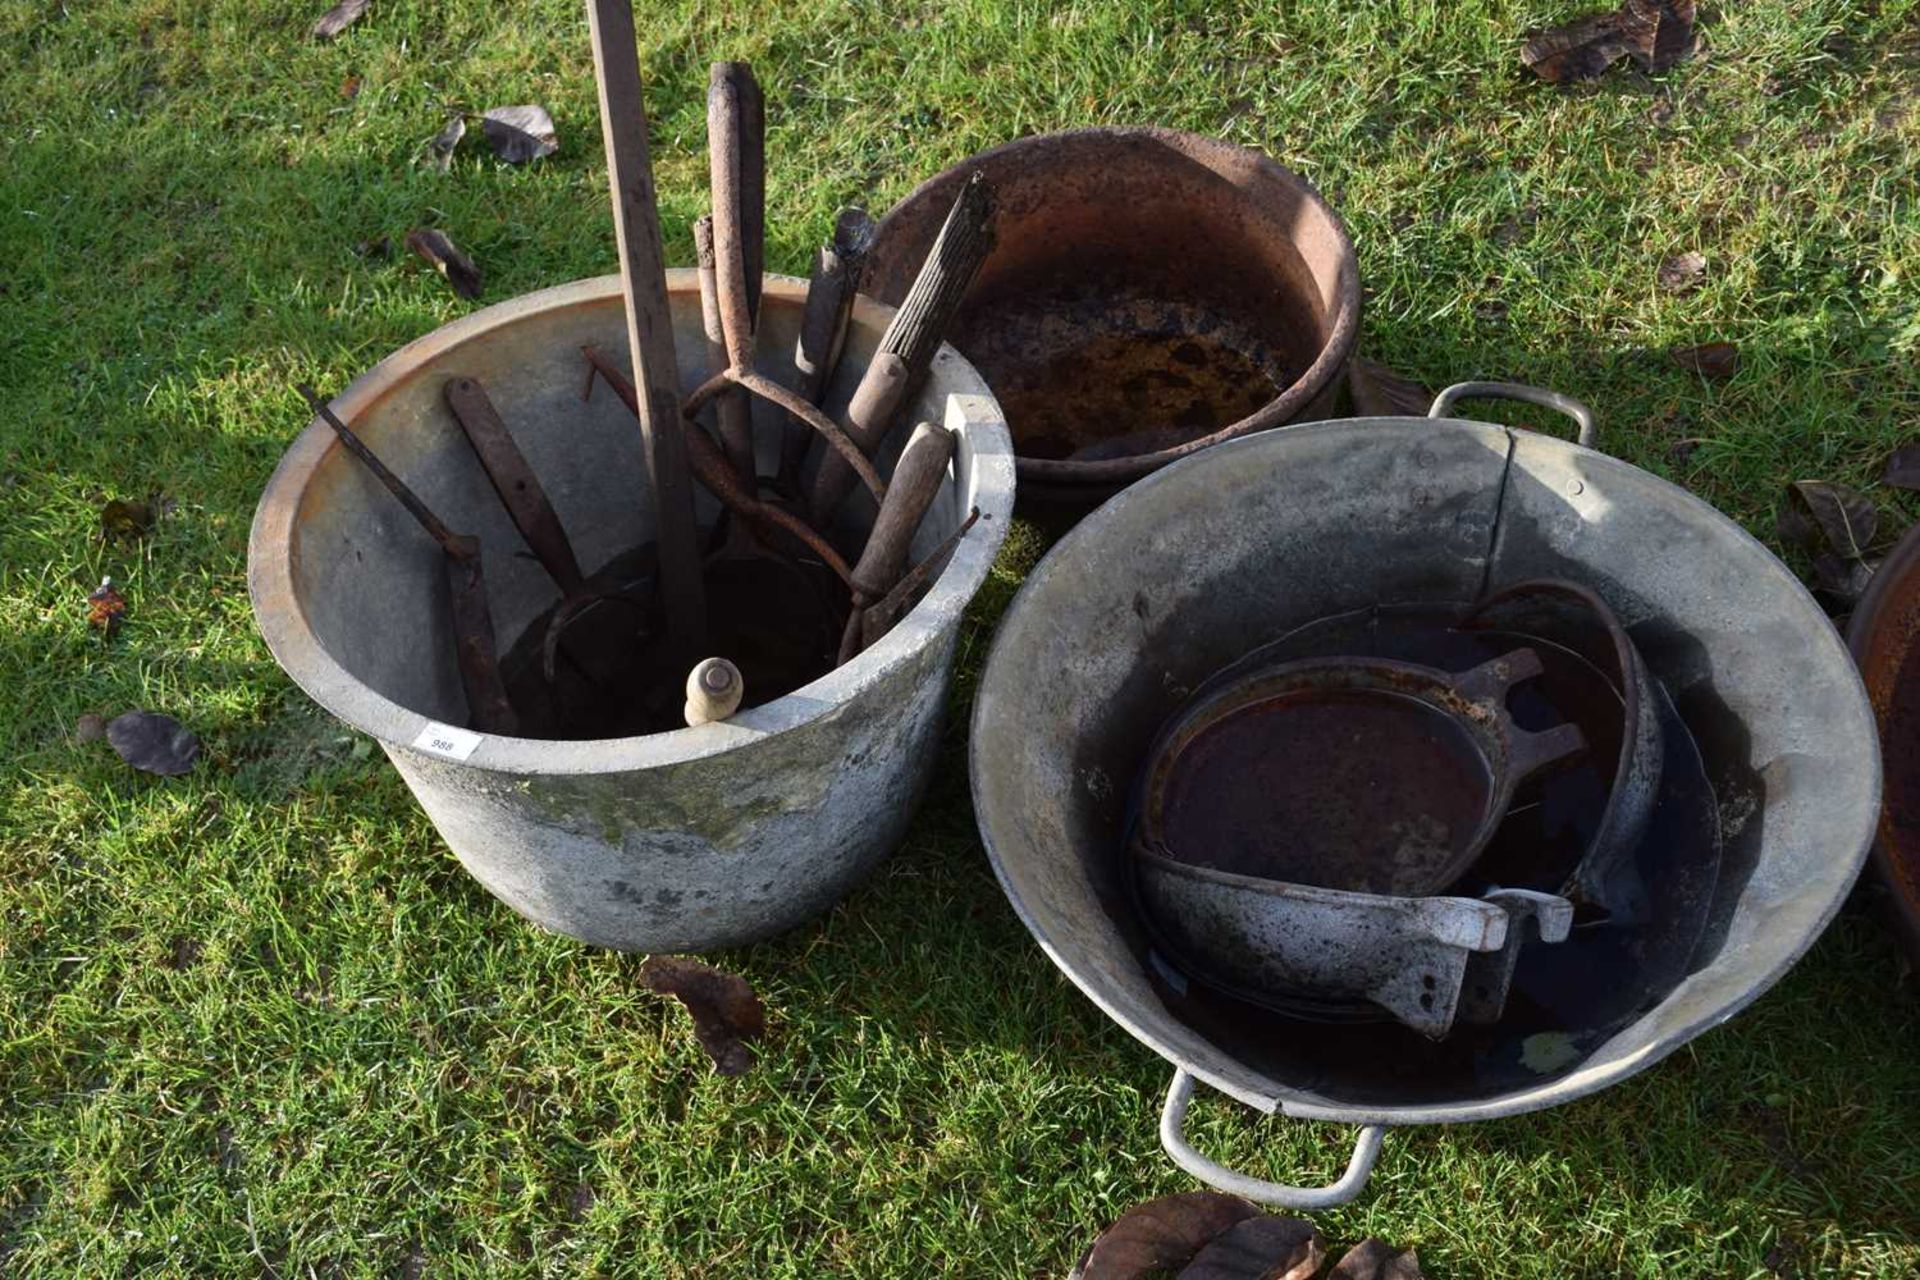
x=474, y=649
x=908, y=346
x=531, y=510
x=837, y=268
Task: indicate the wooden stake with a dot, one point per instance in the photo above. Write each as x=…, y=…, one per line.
x=636, y=221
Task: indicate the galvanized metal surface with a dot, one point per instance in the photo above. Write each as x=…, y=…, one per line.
x=700, y=838
x=1228, y=548
x=1882, y=636
x=1410, y=956
x=1152, y=292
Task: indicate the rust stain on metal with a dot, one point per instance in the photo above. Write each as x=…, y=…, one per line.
x=1884, y=635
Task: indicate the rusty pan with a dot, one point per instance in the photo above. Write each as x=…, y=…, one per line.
x=1882, y=635
x=1150, y=293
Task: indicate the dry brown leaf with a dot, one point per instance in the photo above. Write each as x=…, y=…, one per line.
x=153, y=743
x=1659, y=33
x=106, y=606
x=1845, y=518
x=1903, y=468
x=1160, y=1235
x=440, y=149
x=519, y=135
x=91, y=727
x=1262, y=1248
x=1683, y=272
x=1379, y=392
x=1714, y=361
x=339, y=18
x=126, y=520
x=1373, y=1259
x=727, y=1015
x=1578, y=50
x=446, y=257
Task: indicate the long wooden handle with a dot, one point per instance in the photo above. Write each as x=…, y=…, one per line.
x=837, y=268
x=915, y=482
x=731, y=412
x=738, y=200
x=636, y=221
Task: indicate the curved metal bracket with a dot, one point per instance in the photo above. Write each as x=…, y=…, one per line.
x=1173, y=1118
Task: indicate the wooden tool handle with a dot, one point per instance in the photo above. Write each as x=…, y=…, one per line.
x=965, y=240
x=738, y=200
x=915, y=482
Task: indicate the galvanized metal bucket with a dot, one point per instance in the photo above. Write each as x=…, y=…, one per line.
x=681, y=841
x=1202, y=562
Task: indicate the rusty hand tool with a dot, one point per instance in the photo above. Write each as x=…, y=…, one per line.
x=474, y=648
x=917, y=478
x=908, y=346
x=530, y=509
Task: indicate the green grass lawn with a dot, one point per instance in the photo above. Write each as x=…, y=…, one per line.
x=257, y=1021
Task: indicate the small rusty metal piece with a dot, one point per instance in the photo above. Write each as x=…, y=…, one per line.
x=474, y=644
x=919, y=326
x=1361, y=774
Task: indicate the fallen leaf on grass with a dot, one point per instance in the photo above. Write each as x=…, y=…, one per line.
x=446, y=257
x=1373, y=1259
x=153, y=743
x=519, y=135
x=350, y=87
x=726, y=1012
x=1715, y=361
x=1835, y=525
x=91, y=727
x=105, y=606
x=1683, y=272
x=1379, y=392
x=1903, y=468
x=339, y=18
x=440, y=149
x=1656, y=34
x=126, y=520
x=1262, y=1248
x=1160, y=1235
x=1823, y=516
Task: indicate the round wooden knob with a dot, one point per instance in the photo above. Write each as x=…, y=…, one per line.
x=714, y=690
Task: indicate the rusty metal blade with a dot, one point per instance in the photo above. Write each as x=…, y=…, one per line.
x=473, y=640
x=513, y=479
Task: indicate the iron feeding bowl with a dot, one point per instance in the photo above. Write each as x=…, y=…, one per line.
x=1217, y=554
x=1150, y=292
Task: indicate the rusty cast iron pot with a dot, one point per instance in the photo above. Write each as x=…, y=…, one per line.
x=1882, y=635
x=683, y=841
x=1151, y=293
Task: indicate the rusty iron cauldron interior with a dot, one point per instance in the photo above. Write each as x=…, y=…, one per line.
x=1150, y=293
x=1190, y=568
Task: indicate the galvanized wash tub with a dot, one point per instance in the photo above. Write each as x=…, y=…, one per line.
x=1150, y=292
x=1192, y=567
x=680, y=841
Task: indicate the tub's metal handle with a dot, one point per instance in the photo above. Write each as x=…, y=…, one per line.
x=1582, y=416
x=1173, y=1119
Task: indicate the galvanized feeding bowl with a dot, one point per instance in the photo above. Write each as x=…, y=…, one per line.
x=679, y=841
x=1150, y=293
x=1212, y=558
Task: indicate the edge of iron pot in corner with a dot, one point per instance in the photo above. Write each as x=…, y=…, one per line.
x=1152, y=292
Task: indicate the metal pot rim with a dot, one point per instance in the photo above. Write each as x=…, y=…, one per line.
x=283, y=622
x=1334, y=353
